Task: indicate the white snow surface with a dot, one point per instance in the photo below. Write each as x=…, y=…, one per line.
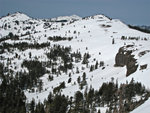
x=144, y=108
x=68, y=18
x=96, y=34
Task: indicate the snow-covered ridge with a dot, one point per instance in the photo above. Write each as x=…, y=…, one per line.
x=15, y=16
x=67, y=18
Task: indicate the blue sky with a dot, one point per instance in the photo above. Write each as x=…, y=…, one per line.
x=134, y=12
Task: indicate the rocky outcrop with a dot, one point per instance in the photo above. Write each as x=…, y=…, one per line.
x=131, y=65
x=121, y=58
x=125, y=58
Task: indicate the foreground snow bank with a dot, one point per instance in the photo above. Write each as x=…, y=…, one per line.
x=144, y=108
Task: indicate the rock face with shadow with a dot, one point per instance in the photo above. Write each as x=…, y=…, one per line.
x=124, y=57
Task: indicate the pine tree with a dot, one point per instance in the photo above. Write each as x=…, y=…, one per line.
x=32, y=106
x=79, y=80
x=84, y=76
x=40, y=85
x=59, y=104
x=78, y=100
x=96, y=65
x=99, y=111
x=69, y=80
x=113, y=41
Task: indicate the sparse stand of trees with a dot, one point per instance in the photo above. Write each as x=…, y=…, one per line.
x=118, y=98
x=139, y=28
x=13, y=100
x=59, y=38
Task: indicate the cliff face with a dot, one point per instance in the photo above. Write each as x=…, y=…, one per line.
x=125, y=58
x=121, y=58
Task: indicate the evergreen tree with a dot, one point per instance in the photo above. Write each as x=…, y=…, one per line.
x=113, y=41
x=99, y=111
x=32, y=106
x=84, y=76
x=40, y=85
x=96, y=65
x=59, y=104
x=78, y=100
x=79, y=80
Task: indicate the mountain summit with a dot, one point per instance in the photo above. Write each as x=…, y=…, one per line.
x=67, y=18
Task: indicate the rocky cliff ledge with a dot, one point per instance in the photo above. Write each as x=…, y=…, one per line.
x=124, y=57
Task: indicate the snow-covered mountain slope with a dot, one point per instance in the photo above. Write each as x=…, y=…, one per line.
x=144, y=108
x=93, y=35
x=66, y=18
